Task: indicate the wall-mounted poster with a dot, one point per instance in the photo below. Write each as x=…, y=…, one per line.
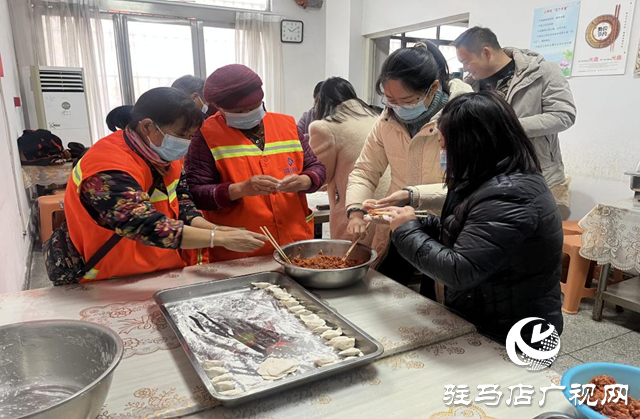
x=637, y=70
x=603, y=40
x=554, y=33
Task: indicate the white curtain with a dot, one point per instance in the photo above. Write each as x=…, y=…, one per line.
x=66, y=33
x=258, y=47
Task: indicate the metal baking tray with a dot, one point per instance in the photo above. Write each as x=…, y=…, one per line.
x=370, y=348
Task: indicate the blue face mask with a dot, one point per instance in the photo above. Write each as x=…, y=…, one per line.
x=172, y=148
x=245, y=120
x=409, y=112
x=443, y=160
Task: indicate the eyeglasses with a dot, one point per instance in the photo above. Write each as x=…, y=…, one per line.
x=386, y=102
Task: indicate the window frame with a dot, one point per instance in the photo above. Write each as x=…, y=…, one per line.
x=214, y=16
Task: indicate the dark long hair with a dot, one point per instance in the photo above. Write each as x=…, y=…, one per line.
x=416, y=67
x=484, y=138
x=164, y=105
x=334, y=91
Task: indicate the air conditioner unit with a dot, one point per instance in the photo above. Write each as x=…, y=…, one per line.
x=56, y=101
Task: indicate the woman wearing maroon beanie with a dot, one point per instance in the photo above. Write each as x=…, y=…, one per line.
x=251, y=168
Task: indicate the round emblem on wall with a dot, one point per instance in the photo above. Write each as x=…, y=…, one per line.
x=603, y=31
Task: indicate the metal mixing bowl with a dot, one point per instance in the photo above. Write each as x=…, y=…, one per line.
x=56, y=368
x=326, y=278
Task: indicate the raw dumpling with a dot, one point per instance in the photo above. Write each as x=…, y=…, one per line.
x=321, y=362
x=320, y=330
x=225, y=385
x=312, y=324
x=274, y=288
x=330, y=334
x=350, y=358
x=215, y=371
x=351, y=352
x=304, y=312
x=342, y=343
x=309, y=317
x=261, y=285
x=276, y=368
x=211, y=364
x=231, y=392
x=282, y=295
x=290, y=303
x=297, y=308
x=223, y=377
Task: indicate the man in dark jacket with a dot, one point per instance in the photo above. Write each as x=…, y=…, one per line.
x=498, y=246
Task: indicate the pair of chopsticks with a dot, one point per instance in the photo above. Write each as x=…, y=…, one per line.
x=419, y=214
x=275, y=244
x=353, y=246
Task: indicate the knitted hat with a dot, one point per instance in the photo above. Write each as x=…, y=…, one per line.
x=233, y=86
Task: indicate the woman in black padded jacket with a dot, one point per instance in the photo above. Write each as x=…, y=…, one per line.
x=497, y=247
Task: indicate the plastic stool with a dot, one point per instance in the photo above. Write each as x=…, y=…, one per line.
x=571, y=228
x=575, y=288
x=49, y=205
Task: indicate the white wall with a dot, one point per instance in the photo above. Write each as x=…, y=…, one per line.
x=604, y=142
x=304, y=64
x=14, y=245
x=344, y=41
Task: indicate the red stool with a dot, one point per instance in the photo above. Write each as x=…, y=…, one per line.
x=50, y=206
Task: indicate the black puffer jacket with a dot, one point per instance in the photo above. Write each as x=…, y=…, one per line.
x=498, y=252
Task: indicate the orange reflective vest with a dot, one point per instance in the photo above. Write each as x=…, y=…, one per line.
x=128, y=257
x=237, y=159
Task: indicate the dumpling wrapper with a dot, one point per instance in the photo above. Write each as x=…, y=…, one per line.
x=215, y=371
x=342, y=343
x=211, y=364
x=330, y=334
x=290, y=303
x=282, y=295
x=276, y=368
x=223, y=377
x=225, y=385
x=351, y=352
x=304, y=312
x=320, y=330
x=321, y=362
x=261, y=285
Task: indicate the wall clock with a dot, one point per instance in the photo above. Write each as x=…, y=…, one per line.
x=291, y=31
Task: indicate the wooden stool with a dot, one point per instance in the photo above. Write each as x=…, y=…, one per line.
x=575, y=288
x=49, y=205
x=571, y=228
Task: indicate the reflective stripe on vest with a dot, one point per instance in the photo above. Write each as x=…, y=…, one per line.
x=158, y=195
x=243, y=150
x=77, y=174
x=92, y=274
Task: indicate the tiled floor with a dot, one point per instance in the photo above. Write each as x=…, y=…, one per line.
x=614, y=339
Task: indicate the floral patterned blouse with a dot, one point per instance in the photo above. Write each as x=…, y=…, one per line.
x=117, y=202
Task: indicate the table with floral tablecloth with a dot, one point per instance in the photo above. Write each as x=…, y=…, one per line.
x=155, y=377
x=612, y=238
x=46, y=175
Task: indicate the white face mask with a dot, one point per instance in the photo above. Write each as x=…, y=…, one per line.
x=205, y=107
x=245, y=120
